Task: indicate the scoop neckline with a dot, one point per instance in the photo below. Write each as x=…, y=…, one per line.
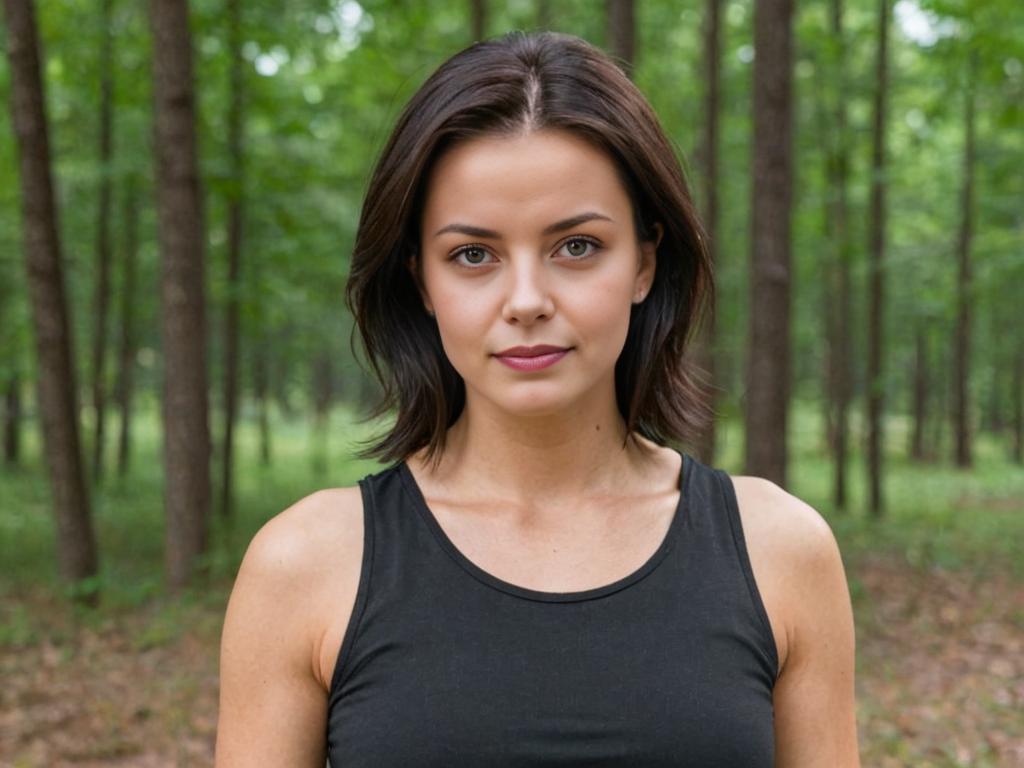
x=420, y=503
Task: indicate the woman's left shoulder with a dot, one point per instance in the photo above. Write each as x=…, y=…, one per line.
x=782, y=522
x=793, y=554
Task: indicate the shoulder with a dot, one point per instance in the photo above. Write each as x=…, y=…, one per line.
x=794, y=556
x=796, y=560
x=293, y=576
x=783, y=521
x=300, y=567
x=287, y=544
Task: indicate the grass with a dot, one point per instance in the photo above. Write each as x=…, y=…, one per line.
x=128, y=511
x=936, y=515
x=946, y=545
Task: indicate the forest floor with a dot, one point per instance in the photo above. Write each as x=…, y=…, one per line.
x=940, y=674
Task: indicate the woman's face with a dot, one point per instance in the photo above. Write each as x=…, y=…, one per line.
x=529, y=242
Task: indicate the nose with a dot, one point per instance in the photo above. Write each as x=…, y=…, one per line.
x=528, y=295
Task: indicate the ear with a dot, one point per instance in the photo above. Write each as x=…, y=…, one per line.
x=413, y=266
x=647, y=266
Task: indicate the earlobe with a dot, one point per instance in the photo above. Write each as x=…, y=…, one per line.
x=648, y=265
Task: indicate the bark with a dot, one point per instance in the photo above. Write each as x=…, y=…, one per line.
x=994, y=410
x=57, y=392
x=1017, y=395
x=706, y=345
x=962, y=350
x=234, y=214
x=841, y=350
x=183, y=311
x=621, y=33
x=544, y=16
x=12, y=421
x=102, y=296
x=128, y=345
x=876, y=300
x=478, y=11
x=920, y=393
x=768, y=356
x=323, y=395
x=261, y=390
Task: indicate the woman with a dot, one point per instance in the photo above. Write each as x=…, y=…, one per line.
x=536, y=578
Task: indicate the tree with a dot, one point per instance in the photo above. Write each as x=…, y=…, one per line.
x=768, y=356
x=961, y=353
x=236, y=201
x=102, y=298
x=183, y=310
x=708, y=159
x=76, y=543
x=619, y=15
x=478, y=10
x=876, y=285
x=127, y=342
x=839, y=345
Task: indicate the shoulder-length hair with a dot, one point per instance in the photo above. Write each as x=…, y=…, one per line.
x=505, y=86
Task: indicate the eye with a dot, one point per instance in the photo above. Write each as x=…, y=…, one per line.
x=474, y=256
x=576, y=247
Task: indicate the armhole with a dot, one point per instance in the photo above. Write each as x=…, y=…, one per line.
x=359, y=605
x=736, y=523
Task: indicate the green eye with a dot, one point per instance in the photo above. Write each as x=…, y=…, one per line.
x=580, y=249
x=577, y=247
x=472, y=255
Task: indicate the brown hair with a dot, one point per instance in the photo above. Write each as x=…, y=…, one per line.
x=504, y=86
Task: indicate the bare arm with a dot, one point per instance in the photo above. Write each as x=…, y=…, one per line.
x=815, y=717
x=273, y=696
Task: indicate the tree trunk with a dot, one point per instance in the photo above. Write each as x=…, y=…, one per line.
x=57, y=393
x=768, y=355
x=1017, y=396
x=12, y=421
x=126, y=353
x=323, y=395
x=708, y=155
x=621, y=35
x=102, y=296
x=478, y=12
x=875, y=374
x=841, y=354
x=993, y=421
x=235, y=207
x=962, y=352
x=544, y=15
x=183, y=324
x=262, y=391
x=920, y=393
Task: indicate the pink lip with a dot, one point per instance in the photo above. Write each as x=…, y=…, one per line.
x=533, y=362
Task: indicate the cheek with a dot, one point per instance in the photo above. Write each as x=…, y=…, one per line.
x=606, y=300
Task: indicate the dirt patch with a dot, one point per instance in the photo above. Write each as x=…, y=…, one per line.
x=940, y=667
x=940, y=677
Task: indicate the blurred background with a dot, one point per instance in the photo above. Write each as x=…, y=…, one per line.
x=180, y=185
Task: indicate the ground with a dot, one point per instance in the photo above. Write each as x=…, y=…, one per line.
x=940, y=675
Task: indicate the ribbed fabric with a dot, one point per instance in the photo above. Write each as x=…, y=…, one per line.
x=444, y=664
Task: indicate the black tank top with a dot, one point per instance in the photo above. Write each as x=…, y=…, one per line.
x=443, y=664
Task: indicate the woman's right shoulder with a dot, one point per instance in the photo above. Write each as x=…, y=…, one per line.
x=304, y=564
x=292, y=595
x=309, y=536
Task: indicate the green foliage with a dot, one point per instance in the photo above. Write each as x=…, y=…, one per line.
x=323, y=83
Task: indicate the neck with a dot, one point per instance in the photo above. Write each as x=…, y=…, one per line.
x=540, y=462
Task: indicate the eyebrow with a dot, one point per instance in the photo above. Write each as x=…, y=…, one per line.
x=558, y=226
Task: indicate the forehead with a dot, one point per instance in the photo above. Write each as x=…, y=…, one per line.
x=528, y=178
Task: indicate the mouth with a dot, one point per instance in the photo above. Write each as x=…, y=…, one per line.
x=529, y=359
x=528, y=352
